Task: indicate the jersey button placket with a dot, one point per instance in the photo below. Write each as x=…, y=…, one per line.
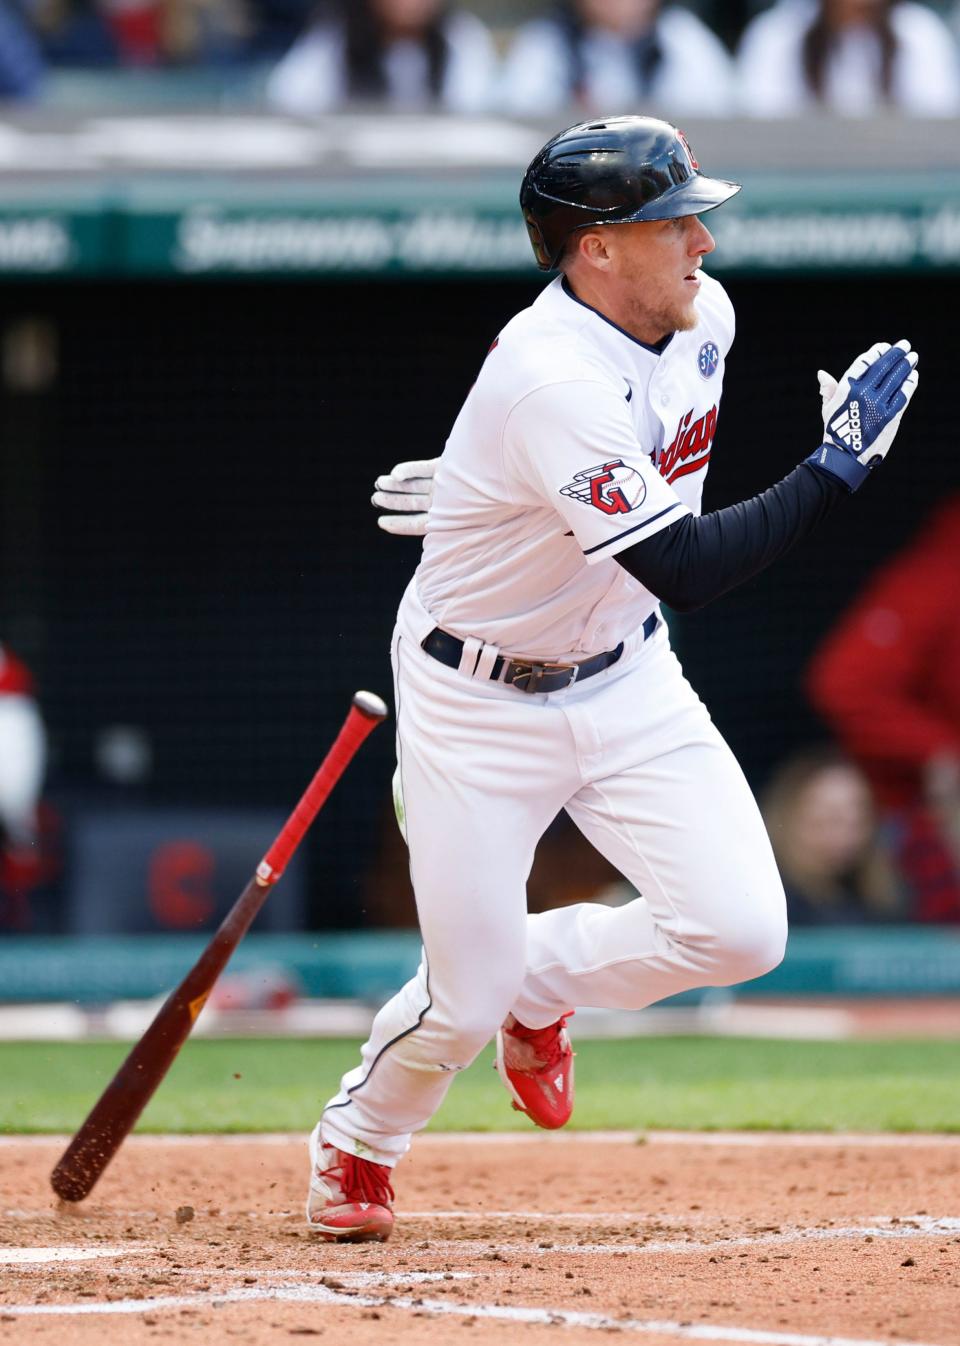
x=661, y=391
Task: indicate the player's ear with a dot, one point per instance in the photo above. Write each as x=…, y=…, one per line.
x=592, y=246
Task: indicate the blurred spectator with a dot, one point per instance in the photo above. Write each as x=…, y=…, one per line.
x=108, y=33
x=21, y=64
x=22, y=759
x=728, y=18
x=887, y=678
x=852, y=57
x=820, y=817
x=952, y=19
x=617, y=56
x=275, y=25
x=407, y=53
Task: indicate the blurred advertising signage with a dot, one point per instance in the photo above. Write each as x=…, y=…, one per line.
x=851, y=240
x=210, y=240
x=257, y=229
x=45, y=243
x=154, y=870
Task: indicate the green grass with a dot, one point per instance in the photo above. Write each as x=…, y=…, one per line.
x=687, y=1083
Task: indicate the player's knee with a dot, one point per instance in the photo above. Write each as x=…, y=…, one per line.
x=754, y=946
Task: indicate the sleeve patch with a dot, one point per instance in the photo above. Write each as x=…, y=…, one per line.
x=612, y=488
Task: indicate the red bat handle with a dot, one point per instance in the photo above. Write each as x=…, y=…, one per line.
x=365, y=714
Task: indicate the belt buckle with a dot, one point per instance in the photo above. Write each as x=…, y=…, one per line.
x=527, y=677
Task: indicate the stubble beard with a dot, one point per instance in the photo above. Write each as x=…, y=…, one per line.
x=685, y=317
x=659, y=314
x=664, y=318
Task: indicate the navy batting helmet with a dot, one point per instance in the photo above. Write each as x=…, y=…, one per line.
x=616, y=171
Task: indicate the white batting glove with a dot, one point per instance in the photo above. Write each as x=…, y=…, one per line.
x=407, y=492
x=862, y=411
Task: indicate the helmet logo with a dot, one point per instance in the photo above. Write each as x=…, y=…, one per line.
x=686, y=145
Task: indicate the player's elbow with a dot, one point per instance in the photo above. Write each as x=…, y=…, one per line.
x=672, y=590
x=667, y=578
x=681, y=598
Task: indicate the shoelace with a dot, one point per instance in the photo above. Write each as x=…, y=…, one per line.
x=362, y=1180
x=544, y=1041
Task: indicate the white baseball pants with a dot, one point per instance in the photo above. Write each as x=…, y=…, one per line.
x=634, y=758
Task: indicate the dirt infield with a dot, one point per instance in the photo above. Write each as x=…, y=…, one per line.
x=791, y=1241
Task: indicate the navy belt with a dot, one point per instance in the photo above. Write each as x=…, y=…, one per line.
x=527, y=675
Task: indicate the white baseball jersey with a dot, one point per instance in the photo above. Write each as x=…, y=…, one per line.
x=576, y=441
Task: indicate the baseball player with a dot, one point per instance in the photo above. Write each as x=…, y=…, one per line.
x=533, y=671
x=22, y=762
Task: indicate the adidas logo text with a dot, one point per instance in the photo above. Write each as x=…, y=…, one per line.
x=856, y=435
x=847, y=428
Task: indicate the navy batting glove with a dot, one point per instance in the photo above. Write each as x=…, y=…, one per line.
x=861, y=413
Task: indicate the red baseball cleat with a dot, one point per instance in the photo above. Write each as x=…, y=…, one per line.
x=350, y=1199
x=536, y=1065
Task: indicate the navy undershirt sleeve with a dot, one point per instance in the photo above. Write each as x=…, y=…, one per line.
x=695, y=560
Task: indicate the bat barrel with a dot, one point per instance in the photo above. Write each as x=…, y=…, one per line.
x=94, y=1146
x=114, y=1116
x=116, y=1112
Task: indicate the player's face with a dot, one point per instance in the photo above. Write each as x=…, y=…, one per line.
x=852, y=13
x=654, y=268
x=629, y=18
x=405, y=16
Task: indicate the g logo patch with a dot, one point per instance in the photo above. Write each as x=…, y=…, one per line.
x=708, y=357
x=612, y=488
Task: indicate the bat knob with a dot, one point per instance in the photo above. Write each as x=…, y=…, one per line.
x=371, y=705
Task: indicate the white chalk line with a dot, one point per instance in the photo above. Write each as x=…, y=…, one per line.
x=321, y=1294
x=798, y=1139
x=934, y=1229
x=615, y=1218
x=82, y=1213
x=44, y=1256
x=947, y=1223
x=744, y=1139
x=360, y=1279
x=878, y=1227
x=301, y=1291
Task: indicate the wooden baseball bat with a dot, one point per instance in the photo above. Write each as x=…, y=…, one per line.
x=115, y=1113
